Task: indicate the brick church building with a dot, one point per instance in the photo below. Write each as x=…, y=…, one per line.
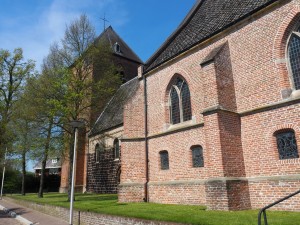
x=213, y=117
x=90, y=175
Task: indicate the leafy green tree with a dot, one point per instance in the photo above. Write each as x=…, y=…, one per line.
x=38, y=96
x=87, y=76
x=13, y=73
x=25, y=133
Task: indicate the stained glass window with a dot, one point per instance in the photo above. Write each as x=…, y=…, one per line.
x=286, y=144
x=180, y=106
x=164, y=160
x=117, y=148
x=294, y=58
x=175, y=109
x=197, y=153
x=186, y=102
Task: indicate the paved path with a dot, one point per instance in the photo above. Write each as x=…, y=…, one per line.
x=35, y=217
x=7, y=220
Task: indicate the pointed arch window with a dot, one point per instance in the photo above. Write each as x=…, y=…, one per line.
x=293, y=51
x=180, y=102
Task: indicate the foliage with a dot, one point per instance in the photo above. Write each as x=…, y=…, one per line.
x=13, y=73
x=86, y=72
x=108, y=204
x=82, y=71
x=13, y=181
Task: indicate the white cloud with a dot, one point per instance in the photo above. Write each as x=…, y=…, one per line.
x=35, y=35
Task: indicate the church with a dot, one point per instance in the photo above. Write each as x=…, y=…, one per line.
x=212, y=118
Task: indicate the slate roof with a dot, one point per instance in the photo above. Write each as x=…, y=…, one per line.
x=112, y=37
x=206, y=18
x=49, y=164
x=112, y=115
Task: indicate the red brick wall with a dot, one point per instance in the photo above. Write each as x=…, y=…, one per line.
x=230, y=122
x=266, y=192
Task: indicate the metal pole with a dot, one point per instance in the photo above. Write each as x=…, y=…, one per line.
x=3, y=174
x=73, y=177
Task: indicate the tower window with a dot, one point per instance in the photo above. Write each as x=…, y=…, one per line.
x=117, y=48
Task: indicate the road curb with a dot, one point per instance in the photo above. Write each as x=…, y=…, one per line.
x=16, y=216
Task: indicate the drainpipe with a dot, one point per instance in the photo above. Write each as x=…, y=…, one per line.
x=146, y=198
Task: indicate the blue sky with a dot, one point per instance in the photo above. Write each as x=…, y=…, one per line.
x=34, y=24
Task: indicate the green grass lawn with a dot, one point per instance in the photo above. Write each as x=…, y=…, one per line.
x=108, y=204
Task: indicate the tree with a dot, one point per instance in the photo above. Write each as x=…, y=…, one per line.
x=13, y=72
x=87, y=76
x=24, y=131
x=38, y=96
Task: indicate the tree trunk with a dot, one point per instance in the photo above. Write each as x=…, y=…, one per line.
x=42, y=178
x=45, y=158
x=23, y=172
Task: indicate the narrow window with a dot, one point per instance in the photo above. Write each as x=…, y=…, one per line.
x=116, y=148
x=164, y=160
x=286, y=144
x=175, y=109
x=180, y=102
x=294, y=58
x=186, y=102
x=97, y=153
x=197, y=154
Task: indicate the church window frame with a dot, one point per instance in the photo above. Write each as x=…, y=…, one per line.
x=98, y=151
x=164, y=160
x=286, y=144
x=117, y=149
x=197, y=156
x=293, y=56
x=180, y=106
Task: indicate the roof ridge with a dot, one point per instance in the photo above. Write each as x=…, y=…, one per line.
x=206, y=19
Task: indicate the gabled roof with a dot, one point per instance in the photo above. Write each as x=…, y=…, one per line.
x=49, y=164
x=112, y=37
x=112, y=115
x=206, y=18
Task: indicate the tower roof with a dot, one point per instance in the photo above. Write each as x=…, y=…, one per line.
x=114, y=39
x=206, y=19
